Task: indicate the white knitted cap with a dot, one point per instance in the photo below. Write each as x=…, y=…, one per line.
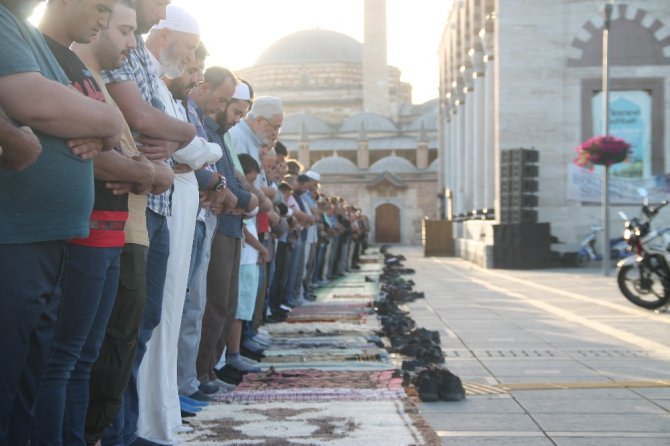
x=179, y=19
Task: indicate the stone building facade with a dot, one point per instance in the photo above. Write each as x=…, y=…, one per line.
x=350, y=118
x=527, y=74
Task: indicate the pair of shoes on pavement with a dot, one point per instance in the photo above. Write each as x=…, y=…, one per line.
x=438, y=384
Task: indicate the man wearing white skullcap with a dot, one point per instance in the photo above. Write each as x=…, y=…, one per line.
x=173, y=43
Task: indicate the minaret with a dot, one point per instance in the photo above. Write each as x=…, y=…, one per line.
x=375, y=67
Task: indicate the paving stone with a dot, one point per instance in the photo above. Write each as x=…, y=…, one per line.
x=474, y=406
x=590, y=405
x=481, y=422
x=582, y=422
x=610, y=441
x=497, y=441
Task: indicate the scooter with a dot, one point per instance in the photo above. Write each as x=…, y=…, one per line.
x=587, y=248
x=644, y=278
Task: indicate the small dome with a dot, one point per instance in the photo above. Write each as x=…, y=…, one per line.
x=393, y=164
x=434, y=166
x=429, y=121
x=370, y=121
x=313, y=46
x=334, y=165
x=293, y=124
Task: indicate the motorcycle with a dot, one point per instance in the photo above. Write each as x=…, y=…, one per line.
x=644, y=278
x=587, y=248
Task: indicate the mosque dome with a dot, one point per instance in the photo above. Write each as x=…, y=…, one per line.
x=334, y=165
x=371, y=122
x=427, y=120
x=312, y=47
x=293, y=124
x=393, y=164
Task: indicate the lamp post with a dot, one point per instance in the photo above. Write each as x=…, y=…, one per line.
x=607, y=14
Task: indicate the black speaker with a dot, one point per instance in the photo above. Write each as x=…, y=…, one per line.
x=518, y=184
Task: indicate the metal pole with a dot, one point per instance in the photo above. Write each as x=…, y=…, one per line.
x=605, y=126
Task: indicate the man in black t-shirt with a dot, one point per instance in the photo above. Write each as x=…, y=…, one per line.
x=93, y=267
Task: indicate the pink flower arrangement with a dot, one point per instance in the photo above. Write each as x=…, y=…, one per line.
x=602, y=151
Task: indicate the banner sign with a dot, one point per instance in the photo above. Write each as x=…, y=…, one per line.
x=585, y=186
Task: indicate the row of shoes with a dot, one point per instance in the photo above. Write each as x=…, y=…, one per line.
x=433, y=382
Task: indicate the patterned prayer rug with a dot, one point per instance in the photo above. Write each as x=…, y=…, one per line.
x=318, y=329
x=324, y=355
x=296, y=379
x=295, y=423
x=317, y=342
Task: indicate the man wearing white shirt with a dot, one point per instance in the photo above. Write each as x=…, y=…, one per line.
x=172, y=44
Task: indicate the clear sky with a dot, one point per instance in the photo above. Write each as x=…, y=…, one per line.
x=236, y=33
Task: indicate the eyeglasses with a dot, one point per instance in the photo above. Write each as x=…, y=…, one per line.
x=275, y=127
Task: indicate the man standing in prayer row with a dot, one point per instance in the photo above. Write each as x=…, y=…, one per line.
x=40, y=207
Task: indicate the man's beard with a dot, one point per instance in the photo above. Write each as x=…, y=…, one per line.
x=108, y=54
x=172, y=66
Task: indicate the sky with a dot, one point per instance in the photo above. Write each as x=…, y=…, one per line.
x=237, y=33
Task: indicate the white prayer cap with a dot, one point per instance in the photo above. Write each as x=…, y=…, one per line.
x=313, y=175
x=242, y=92
x=179, y=19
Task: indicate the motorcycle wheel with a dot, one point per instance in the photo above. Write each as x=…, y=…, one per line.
x=642, y=287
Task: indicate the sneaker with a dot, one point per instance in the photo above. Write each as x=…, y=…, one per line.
x=181, y=429
x=286, y=308
x=229, y=375
x=451, y=387
x=262, y=338
x=223, y=386
x=429, y=388
x=264, y=344
x=193, y=403
x=208, y=388
x=253, y=346
x=188, y=408
x=186, y=414
x=275, y=318
x=249, y=361
x=241, y=366
x=200, y=397
x=251, y=354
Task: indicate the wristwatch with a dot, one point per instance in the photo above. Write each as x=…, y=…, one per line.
x=221, y=184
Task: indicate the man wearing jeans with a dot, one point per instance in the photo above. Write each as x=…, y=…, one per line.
x=134, y=87
x=40, y=207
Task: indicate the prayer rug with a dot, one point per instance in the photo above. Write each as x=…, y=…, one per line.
x=318, y=329
x=359, y=318
x=317, y=342
x=324, y=355
x=309, y=394
x=334, y=365
x=313, y=378
x=327, y=309
x=295, y=423
x=353, y=296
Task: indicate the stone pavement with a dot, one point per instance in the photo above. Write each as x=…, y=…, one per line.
x=548, y=357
